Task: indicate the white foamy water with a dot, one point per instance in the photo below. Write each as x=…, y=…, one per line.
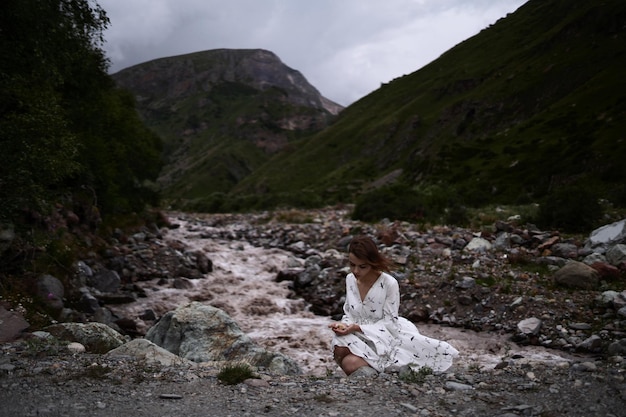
x=242, y=284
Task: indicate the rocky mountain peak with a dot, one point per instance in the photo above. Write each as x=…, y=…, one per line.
x=223, y=113
x=183, y=76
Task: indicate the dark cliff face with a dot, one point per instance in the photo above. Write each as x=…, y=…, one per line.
x=222, y=113
x=183, y=76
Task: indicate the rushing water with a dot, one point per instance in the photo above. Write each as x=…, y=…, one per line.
x=243, y=284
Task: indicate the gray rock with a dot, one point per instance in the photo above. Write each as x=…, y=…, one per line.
x=88, y=303
x=616, y=254
x=203, y=263
x=593, y=258
x=619, y=300
x=503, y=241
x=182, y=284
x=149, y=315
x=96, y=337
x=105, y=281
x=580, y=326
x=530, y=325
x=610, y=233
x=577, y=275
x=83, y=269
x=584, y=367
x=149, y=352
x=466, y=283
x=552, y=260
x=12, y=324
x=104, y=316
x=78, y=280
x=457, y=386
x=478, y=244
x=51, y=291
x=617, y=348
x=203, y=333
x=607, y=298
x=591, y=344
x=565, y=250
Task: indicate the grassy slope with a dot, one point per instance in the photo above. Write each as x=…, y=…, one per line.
x=533, y=101
x=215, y=131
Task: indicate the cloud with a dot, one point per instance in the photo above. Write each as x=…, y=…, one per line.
x=345, y=48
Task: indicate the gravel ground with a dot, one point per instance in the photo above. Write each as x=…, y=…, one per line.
x=53, y=382
x=61, y=384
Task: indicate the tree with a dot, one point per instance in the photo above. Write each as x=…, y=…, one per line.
x=64, y=125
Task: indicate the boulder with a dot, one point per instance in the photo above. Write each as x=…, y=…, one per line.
x=12, y=324
x=608, y=234
x=105, y=281
x=616, y=255
x=617, y=348
x=203, y=333
x=96, y=337
x=149, y=352
x=530, y=326
x=78, y=280
x=478, y=244
x=51, y=291
x=577, y=275
x=565, y=250
x=204, y=264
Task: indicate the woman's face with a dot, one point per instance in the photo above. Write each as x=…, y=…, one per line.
x=359, y=267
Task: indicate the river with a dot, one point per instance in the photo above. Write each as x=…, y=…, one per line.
x=243, y=284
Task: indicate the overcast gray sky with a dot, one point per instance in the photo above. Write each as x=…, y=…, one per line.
x=345, y=48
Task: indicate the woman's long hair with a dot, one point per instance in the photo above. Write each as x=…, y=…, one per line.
x=364, y=247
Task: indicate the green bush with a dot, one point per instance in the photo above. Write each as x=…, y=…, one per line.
x=432, y=204
x=397, y=202
x=571, y=209
x=414, y=376
x=233, y=374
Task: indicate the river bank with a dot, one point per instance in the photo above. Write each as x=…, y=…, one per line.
x=281, y=276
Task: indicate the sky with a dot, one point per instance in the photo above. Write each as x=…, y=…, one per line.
x=344, y=48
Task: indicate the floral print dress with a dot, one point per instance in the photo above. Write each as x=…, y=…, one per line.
x=387, y=340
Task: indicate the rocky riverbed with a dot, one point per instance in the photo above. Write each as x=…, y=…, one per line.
x=35, y=383
x=539, y=318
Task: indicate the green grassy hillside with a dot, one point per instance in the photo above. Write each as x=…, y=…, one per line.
x=529, y=105
x=222, y=114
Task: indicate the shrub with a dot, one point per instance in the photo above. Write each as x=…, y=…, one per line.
x=233, y=374
x=413, y=376
x=426, y=204
x=396, y=202
x=572, y=209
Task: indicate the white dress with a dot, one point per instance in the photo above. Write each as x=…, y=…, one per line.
x=387, y=340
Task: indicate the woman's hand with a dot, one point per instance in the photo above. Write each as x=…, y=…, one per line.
x=343, y=329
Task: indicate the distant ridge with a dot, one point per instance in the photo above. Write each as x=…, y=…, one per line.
x=222, y=113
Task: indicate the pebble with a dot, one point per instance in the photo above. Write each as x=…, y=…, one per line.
x=76, y=347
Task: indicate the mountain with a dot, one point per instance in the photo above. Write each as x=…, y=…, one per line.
x=222, y=113
x=531, y=104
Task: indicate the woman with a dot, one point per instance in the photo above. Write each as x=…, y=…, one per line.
x=371, y=333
